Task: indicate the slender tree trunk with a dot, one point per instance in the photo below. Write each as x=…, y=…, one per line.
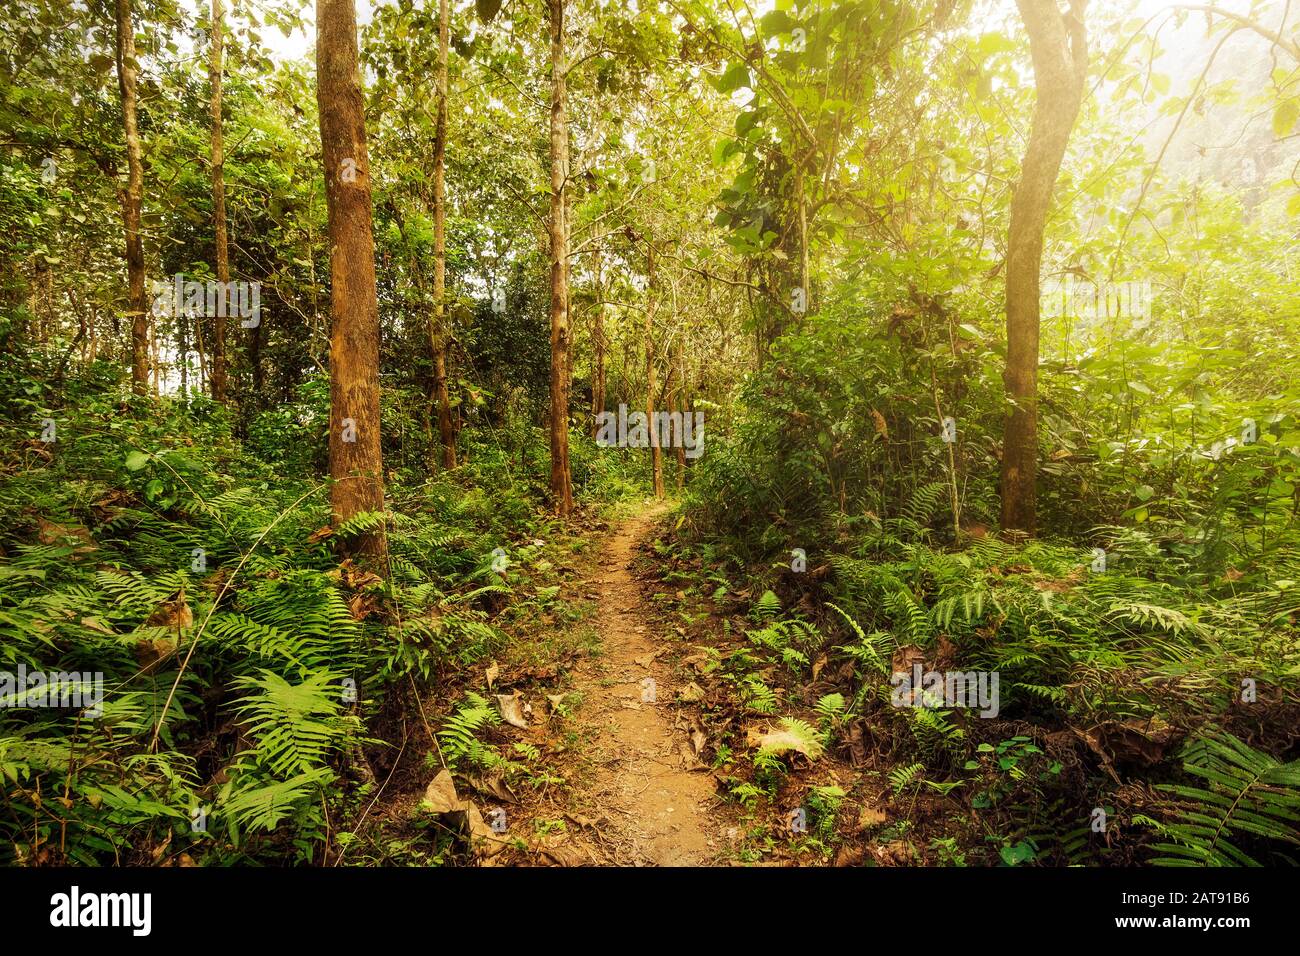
x=677, y=400
x=656, y=453
x=203, y=355
x=155, y=366
x=131, y=199
x=1058, y=45
x=183, y=353
x=561, y=483
x=598, y=340
x=805, y=273
x=218, y=379
x=356, y=461
x=255, y=357
x=439, y=333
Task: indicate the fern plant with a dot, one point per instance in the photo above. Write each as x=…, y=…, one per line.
x=1247, y=794
x=459, y=737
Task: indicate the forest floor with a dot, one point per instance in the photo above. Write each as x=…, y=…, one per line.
x=604, y=691
x=649, y=799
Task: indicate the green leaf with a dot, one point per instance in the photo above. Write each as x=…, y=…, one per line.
x=1285, y=116
x=136, y=460
x=737, y=76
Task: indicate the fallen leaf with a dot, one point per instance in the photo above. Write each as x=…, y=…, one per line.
x=563, y=855
x=904, y=657
x=698, y=741
x=691, y=693
x=869, y=817
x=850, y=856
x=440, y=795
x=175, y=613
x=494, y=785
x=512, y=710
x=320, y=534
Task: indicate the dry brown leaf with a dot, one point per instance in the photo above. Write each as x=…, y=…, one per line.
x=869, y=817
x=511, y=707
x=175, y=613
x=691, y=693
x=817, y=666
x=320, y=534
x=440, y=796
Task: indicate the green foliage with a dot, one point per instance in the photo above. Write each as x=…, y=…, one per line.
x=1247, y=796
x=459, y=736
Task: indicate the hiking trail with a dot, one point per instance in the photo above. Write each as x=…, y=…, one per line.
x=653, y=803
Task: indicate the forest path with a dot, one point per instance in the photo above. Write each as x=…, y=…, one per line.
x=651, y=798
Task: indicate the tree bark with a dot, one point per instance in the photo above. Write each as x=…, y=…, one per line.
x=438, y=330
x=656, y=453
x=561, y=483
x=218, y=380
x=677, y=400
x=356, y=461
x=199, y=347
x=1059, y=48
x=131, y=199
x=598, y=341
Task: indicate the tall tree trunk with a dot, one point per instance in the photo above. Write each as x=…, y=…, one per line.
x=598, y=340
x=131, y=199
x=561, y=483
x=438, y=331
x=677, y=400
x=356, y=461
x=805, y=273
x=183, y=358
x=255, y=358
x=656, y=453
x=1059, y=47
x=155, y=365
x=218, y=379
x=199, y=347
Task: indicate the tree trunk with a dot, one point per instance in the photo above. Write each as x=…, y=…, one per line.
x=155, y=366
x=1058, y=45
x=199, y=347
x=598, y=340
x=131, y=199
x=356, y=462
x=438, y=331
x=255, y=358
x=183, y=353
x=677, y=400
x=656, y=453
x=218, y=379
x=561, y=485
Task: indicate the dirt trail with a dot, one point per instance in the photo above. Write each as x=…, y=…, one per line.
x=655, y=805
